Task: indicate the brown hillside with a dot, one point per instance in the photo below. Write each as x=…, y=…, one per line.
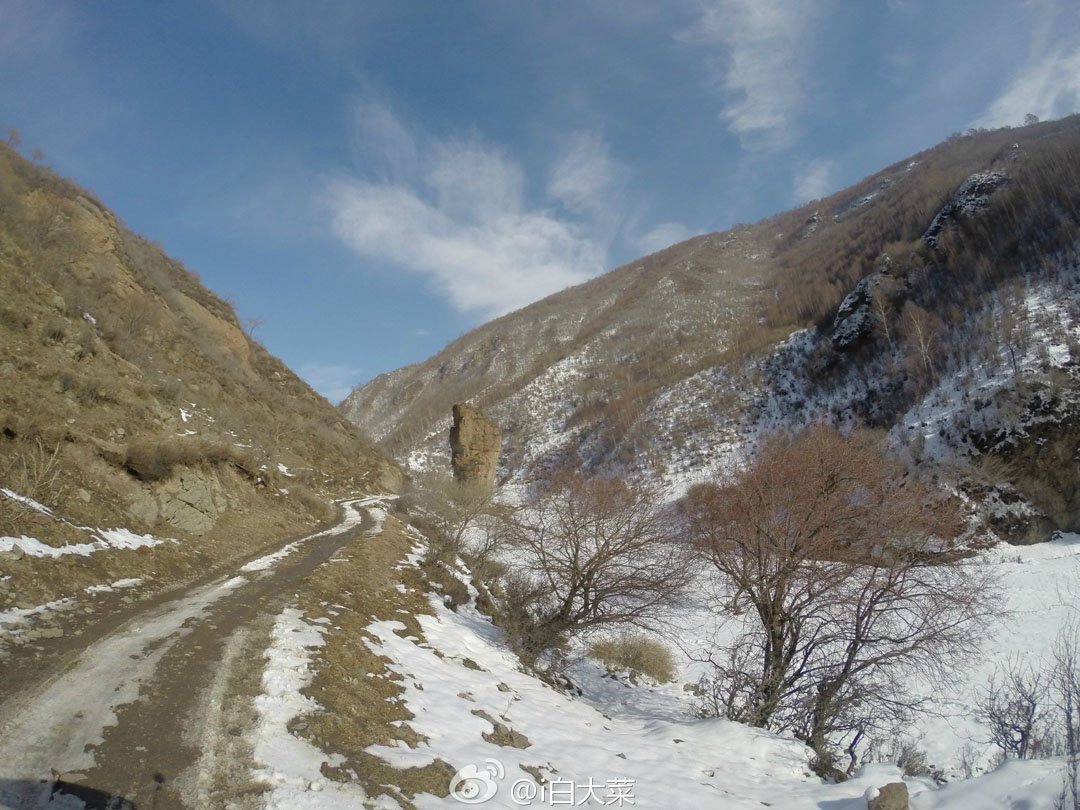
x=130, y=396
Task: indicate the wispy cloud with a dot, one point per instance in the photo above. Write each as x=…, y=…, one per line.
x=814, y=180
x=455, y=212
x=335, y=382
x=762, y=64
x=1049, y=88
x=585, y=178
x=1048, y=85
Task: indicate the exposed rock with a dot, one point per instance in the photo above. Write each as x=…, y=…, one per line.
x=859, y=313
x=854, y=320
x=502, y=734
x=894, y=796
x=144, y=506
x=475, y=443
x=972, y=196
x=191, y=502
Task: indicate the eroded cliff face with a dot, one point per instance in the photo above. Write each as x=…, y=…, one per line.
x=475, y=443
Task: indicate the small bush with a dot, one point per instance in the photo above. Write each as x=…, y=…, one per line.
x=912, y=762
x=155, y=460
x=319, y=507
x=637, y=654
x=53, y=330
x=519, y=613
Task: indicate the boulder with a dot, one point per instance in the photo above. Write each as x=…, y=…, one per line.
x=475, y=443
x=894, y=796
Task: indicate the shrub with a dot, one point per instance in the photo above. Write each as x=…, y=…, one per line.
x=638, y=654
x=53, y=330
x=154, y=460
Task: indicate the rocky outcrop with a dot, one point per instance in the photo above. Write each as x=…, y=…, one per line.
x=191, y=501
x=894, y=796
x=475, y=443
x=972, y=196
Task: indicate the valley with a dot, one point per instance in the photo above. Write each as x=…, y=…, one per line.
x=684, y=491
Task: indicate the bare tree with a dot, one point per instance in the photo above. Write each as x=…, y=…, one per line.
x=594, y=552
x=850, y=577
x=1015, y=707
x=446, y=508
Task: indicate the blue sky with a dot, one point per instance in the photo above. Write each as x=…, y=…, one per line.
x=372, y=179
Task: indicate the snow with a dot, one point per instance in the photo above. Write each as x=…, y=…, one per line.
x=185, y=414
x=15, y=617
x=25, y=501
x=35, y=548
x=649, y=738
x=119, y=585
x=125, y=538
x=263, y=563
x=104, y=540
x=284, y=470
x=288, y=765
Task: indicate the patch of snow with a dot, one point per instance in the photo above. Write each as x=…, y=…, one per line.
x=185, y=415
x=268, y=561
x=120, y=584
x=289, y=765
x=32, y=547
x=89, y=318
x=284, y=470
x=25, y=501
x=125, y=538
x=15, y=617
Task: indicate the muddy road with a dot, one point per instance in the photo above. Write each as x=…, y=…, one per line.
x=157, y=713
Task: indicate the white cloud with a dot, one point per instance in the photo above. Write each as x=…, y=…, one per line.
x=457, y=215
x=814, y=180
x=1049, y=87
x=661, y=236
x=335, y=382
x=585, y=177
x=762, y=64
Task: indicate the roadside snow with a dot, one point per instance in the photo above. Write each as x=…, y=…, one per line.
x=15, y=617
x=105, y=539
x=614, y=735
x=120, y=584
x=288, y=765
x=268, y=561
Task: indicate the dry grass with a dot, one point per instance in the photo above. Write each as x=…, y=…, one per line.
x=359, y=695
x=103, y=339
x=637, y=654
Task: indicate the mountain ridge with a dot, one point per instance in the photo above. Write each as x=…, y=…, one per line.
x=668, y=365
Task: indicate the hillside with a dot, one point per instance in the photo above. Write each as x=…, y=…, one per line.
x=144, y=436
x=936, y=299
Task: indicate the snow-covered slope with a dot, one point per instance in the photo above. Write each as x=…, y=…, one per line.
x=938, y=300
x=513, y=740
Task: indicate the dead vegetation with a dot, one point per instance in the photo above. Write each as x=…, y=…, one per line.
x=359, y=694
x=120, y=375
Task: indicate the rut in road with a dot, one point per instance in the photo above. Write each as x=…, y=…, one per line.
x=155, y=715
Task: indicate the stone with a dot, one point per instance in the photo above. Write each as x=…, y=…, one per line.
x=475, y=443
x=894, y=796
x=501, y=734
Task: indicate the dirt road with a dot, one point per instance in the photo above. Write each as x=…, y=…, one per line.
x=156, y=714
